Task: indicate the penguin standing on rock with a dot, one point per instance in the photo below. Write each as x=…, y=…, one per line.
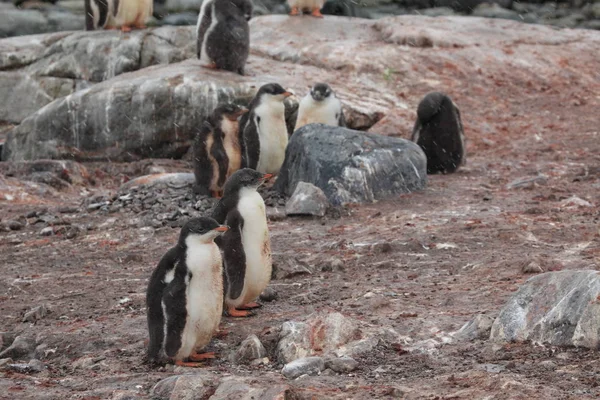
x=439, y=132
x=320, y=106
x=314, y=6
x=223, y=34
x=263, y=131
x=112, y=14
x=246, y=246
x=217, y=151
x=185, y=295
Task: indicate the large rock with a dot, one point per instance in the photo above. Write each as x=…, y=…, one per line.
x=557, y=308
x=16, y=22
x=351, y=166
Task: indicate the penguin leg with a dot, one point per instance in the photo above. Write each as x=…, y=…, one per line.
x=125, y=28
x=189, y=364
x=316, y=12
x=202, y=356
x=294, y=11
x=232, y=312
x=216, y=194
x=250, y=306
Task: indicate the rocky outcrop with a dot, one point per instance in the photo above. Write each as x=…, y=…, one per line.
x=351, y=166
x=556, y=308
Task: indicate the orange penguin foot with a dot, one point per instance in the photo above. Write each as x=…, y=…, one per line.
x=250, y=306
x=294, y=11
x=140, y=26
x=188, y=364
x=202, y=356
x=216, y=194
x=237, y=313
x=221, y=333
x=316, y=12
x=212, y=65
x=125, y=28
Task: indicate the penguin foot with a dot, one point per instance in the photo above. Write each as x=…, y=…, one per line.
x=250, y=306
x=294, y=11
x=202, y=356
x=316, y=12
x=125, y=28
x=221, y=333
x=189, y=364
x=212, y=65
x=216, y=194
x=140, y=26
x=232, y=312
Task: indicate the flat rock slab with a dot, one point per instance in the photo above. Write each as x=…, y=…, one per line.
x=351, y=166
x=556, y=308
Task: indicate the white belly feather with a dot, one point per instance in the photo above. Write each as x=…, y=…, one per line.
x=204, y=296
x=257, y=246
x=273, y=136
x=320, y=112
x=131, y=12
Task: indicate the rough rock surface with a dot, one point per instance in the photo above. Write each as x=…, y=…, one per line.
x=307, y=199
x=557, y=308
x=351, y=166
x=16, y=22
x=303, y=366
x=477, y=328
x=250, y=349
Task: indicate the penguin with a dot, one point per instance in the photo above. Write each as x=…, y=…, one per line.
x=299, y=6
x=217, y=151
x=223, y=34
x=320, y=106
x=184, y=299
x=263, y=130
x=246, y=246
x=112, y=14
x=439, y=132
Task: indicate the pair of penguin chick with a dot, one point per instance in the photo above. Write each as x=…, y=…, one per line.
x=112, y=14
x=234, y=137
x=225, y=259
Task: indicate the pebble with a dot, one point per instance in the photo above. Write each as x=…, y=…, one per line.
x=13, y=225
x=341, y=364
x=35, y=314
x=251, y=349
x=22, y=346
x=47, y=231
x=269, y=294
x=303, y=366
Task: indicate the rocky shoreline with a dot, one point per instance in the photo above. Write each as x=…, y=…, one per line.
x=33, y=17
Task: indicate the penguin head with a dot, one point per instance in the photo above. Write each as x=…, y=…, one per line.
x=320, y=91
x=272, y=91
x=244, y=178
x=238, y=7
x=230, y=111
x=431, y=104
x=202, y=229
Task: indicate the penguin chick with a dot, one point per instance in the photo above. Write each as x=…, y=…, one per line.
x=299, y=6
x=246, y=246
x=184, y=299
x=217, y=152
x=223, y=34
x=112, y=14
x=320, y=106
x=439, y=132
x=263, y=131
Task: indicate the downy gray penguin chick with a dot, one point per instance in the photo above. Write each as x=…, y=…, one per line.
x=217, y=150
x=112, y=14
x=439, y=132
x=246, y=246
x=185, y=295
x=263, y=131
x=223, y=34
x=320, y=106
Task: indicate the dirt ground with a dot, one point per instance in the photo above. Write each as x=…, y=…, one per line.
x=455, y=250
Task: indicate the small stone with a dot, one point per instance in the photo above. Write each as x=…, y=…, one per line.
x=22, y=346
x=275, y=214
x=269, y=294
x=13, y=225
x=532, y=267
x=477, y=328
x=303, y=366
x=47, y=231
x=36, y=313
x=68, y=210
x=83, y=363
x=36, y=365
x=286, y=266
x=5, y=361
x=250, y=349
x=341, y=364
x=307, y=199
x=527, y=182
x=548, y=364
x=97, y=206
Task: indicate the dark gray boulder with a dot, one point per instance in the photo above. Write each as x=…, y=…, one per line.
x=351, y=166
x=556, y=308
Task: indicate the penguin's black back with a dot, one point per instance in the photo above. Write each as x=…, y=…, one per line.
x=102, y=10
x=438, y=131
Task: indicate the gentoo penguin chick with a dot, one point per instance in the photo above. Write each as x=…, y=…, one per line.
x=185, y=295
x=439, y=132
x=217, y=151
x=223, y=34
x=320, y=106
x=246, y=246
x=112, y=14
x=314, y=6
x=263, y=130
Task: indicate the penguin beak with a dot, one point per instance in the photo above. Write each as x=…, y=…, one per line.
x=242, y=111
x=221, y=228
x=266, y=177
x=287, y=94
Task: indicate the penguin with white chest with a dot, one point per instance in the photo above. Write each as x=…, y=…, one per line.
x=320, y=106
x=185, y=295
x=246, y=246
x=439, y=132
x=314, y=6
x=113, y=14
x=223, y=34
x=217, y=150
x=263, y=130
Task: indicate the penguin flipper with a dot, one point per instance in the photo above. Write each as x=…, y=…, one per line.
x=251, y=143
x=220, y=156
x=200, y=161
x=174, y=302
x=341, y=119
x=204, y=22
x=234, y=257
